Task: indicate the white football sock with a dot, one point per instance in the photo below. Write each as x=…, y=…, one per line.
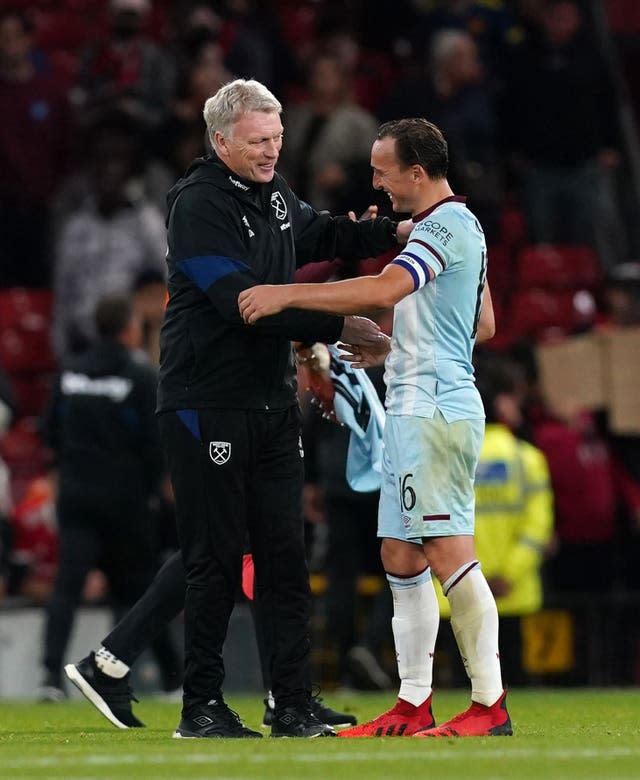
x=415, y=623
x=109, y=664
x=474, y=620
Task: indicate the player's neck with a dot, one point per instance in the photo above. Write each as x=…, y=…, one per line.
x=434, y=192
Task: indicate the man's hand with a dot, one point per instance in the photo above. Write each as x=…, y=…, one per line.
x=360, y=330
x=361, y=356
x=403, y=231
x=314, y=374
x=260, y=301
x=370, y=213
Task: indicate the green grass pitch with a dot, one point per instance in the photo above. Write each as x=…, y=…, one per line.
x=569, y=733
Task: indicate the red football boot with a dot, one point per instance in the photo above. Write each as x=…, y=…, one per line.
x=477, y=721
x=402, y=720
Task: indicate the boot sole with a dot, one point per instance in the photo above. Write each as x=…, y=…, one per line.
x=301, y=736
x=504, y=730
x=177, y=734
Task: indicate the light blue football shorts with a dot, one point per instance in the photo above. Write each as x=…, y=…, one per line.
x=428, y=472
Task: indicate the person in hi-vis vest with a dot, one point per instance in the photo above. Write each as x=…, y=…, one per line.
x=514, y=513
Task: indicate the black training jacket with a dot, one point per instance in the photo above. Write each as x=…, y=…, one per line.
x=100, y=422
x=224, y=235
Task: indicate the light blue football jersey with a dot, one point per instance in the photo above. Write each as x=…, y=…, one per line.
x=429, y=366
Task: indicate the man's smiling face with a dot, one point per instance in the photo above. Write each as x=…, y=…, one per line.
x=390, y=175
x=253, y=149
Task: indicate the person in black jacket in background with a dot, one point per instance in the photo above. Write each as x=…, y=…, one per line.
x=101, y=425
x=229, y=416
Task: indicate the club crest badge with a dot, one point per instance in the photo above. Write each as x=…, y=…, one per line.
x=278, y=205
x=219, y=452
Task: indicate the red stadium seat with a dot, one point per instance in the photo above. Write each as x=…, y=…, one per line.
x=558, y=267
x=500, y=271
x=25, y=326
x=503, y=337
x=513, y=227
x=25, y=454
x=31, y=391
x=25, y=307
x=25, y=350
x=540, y=314
x=22, y=448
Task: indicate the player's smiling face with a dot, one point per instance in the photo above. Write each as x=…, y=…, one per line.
x=253, y=149
x=390, y=175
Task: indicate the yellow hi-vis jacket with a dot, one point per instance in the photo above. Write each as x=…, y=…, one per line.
x=514, y=519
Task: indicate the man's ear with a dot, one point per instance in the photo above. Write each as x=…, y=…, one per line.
x=220, y=144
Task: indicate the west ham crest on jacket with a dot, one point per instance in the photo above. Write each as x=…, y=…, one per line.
x=278, y=204
x=219, y=451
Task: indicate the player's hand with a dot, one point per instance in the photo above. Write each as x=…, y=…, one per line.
x=360, y=356
x=261, y=301
x=370, y=213
x=314, y=374
x=360, y=330
x=403, y=231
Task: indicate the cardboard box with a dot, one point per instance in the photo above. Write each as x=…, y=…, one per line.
x=574, y=369
x=623, y=377
x=598, y=370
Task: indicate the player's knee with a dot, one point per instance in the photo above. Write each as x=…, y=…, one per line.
x=402, y=559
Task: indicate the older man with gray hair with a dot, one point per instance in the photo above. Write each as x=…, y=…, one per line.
x=229, y=416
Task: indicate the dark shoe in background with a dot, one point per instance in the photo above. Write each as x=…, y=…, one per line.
x=323, y=713
x=112, y=697
x=299, y=721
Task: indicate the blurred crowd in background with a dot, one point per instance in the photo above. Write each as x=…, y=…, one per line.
x=101, y=105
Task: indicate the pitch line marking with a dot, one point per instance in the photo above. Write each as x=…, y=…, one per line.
x=202, y=758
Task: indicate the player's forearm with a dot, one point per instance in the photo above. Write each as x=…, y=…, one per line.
x=487, y=323
x=350, y=296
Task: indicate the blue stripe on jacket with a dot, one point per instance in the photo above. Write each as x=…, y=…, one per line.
x=204, y=270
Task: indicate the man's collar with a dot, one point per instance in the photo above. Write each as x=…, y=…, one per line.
x=451, y=199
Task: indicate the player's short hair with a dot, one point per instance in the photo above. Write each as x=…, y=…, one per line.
x=233, y=100
x=418, y=142
x=112, y=315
